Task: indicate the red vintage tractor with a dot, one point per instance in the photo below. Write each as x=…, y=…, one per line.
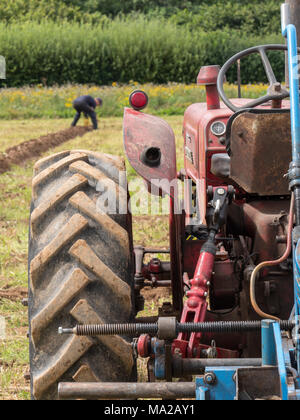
x=230, y=258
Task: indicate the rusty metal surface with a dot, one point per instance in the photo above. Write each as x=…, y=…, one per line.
x=225, y=286
x=176, y=230
x=248, y=379
x=264, y=221
x=166, y=390
x=261, y=152
x=142, y=131
x=184, y=367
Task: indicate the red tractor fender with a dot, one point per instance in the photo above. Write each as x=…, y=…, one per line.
x=149, y=136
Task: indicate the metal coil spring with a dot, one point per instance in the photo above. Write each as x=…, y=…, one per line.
x=116, y=329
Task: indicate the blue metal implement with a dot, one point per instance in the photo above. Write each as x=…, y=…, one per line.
x=223, y=388
x=269, y=356
x=273, y=354
x=289, y=31
x=280, y=361
x=226, y=386
x=297, y=278
x=160, y=359
x=297, y=299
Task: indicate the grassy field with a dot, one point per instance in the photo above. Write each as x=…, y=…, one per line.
x=15, y=193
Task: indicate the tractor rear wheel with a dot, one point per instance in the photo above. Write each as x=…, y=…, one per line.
x=80, y=271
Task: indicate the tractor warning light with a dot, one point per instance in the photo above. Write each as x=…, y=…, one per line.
x=138, y=100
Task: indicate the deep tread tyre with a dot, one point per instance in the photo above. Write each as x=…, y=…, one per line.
x=80, y=271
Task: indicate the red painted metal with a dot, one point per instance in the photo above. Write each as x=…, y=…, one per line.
x=155, y=266
x=144, y=346
x=208, y=77
x=196, y=306
x=212, y=97
x=143, y=131
x=222, y=353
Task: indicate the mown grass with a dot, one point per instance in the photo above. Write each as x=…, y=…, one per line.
x=15, y=194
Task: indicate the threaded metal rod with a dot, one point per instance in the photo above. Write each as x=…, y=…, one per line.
x=229, y=327
x=134, y=330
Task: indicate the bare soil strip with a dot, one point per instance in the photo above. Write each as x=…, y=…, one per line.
x=34, y=148
x=15, y=294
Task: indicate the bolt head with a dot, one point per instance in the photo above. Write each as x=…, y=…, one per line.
x=277, y=87
x=178, y=352
x=210, y=378
x=221, y=191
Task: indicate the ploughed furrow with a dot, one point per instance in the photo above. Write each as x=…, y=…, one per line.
x=85, y=314
x=77, y=281
x=72, y=185
x=85, y=255
x=56, y=167
x=74, y=227
x=19, y=154
x=86, y=206
x=73, y=349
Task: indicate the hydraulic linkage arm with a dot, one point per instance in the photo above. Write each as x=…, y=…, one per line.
x=195, y=308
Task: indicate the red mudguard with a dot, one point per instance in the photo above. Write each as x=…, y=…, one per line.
x=142, y=131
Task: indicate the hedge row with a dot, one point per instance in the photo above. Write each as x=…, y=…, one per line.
x=243, y=12
x=12, y=11
x=253, y=17
x=145, y=51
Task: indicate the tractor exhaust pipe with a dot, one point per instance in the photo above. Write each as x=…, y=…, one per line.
x=295, y=20
x=295, y=15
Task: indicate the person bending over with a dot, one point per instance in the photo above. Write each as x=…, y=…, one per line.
x=86, y=104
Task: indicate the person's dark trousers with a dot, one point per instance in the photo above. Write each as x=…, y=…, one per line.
x=93, y=116
x=76, y=119
x=87, y=112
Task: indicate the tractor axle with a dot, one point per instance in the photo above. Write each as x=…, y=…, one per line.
x=172, y=390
